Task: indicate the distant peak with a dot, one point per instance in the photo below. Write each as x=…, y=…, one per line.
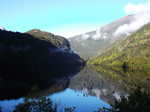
x=35, y=30
x=38, y=31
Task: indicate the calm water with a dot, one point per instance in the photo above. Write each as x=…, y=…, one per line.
x=66, y=98
x=87, y=91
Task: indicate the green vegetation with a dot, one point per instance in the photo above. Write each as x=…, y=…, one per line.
x=42, y=104
x=134, y=51
x=137, y=101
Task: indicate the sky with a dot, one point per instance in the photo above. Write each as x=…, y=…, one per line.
x=65, y=17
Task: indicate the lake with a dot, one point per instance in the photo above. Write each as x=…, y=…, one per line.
x=87, y=91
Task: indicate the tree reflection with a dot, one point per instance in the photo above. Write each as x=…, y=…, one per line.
x=42, y=104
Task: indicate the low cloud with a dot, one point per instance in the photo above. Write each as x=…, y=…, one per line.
x=73, y=29
x=141, y=17
x=85, y=36
x=137, y=8
x=97, y=36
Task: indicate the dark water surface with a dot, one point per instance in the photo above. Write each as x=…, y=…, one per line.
x=87, y=91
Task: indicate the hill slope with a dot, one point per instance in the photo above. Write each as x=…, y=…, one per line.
x=90, y=44
x=132, y=52
x=56, y=40
x=26, y=59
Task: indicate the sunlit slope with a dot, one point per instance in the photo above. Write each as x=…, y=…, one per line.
x=133, y=52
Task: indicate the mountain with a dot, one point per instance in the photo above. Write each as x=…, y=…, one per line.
x=95, y=42
x=56, y=40
x=132, y=53
x=33, y=57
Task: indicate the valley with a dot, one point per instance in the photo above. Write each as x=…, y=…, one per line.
x=93, y=72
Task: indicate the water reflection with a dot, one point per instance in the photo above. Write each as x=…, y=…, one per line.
x=78, y=99
x=10, y=105
x=128, y=80
x=64, y=99
x=95, y=84
x=87, y=91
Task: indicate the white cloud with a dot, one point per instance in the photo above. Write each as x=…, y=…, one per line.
x=137, y=8
x=124, y=29
x=141, y=17
x=85, y=36
x=97, y=35
x=73, y=30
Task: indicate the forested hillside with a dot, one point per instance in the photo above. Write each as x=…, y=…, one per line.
x=132, y=53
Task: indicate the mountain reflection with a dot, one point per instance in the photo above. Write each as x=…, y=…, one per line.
x=95, y=84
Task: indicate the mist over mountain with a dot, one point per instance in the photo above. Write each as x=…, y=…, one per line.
x=95, y=42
